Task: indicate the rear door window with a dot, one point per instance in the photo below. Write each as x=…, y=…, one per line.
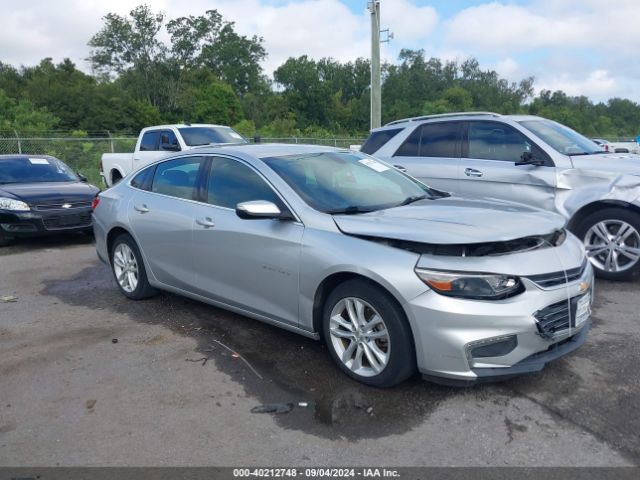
x=178, y=177
x=378, y=139
x=432, y=140
x=149, y=141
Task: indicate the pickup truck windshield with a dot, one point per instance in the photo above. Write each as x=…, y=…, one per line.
x=561, y=138
x=347, y=182
x=194, y=136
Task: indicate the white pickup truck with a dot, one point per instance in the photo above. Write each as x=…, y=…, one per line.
x=162, y=140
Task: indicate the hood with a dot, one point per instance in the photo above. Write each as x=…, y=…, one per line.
x=612, y=163
x=50, y=193
x=453, y=220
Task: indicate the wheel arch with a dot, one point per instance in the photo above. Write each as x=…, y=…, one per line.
x=112, y=175
x=112, y=235
x=329, y=283
x=593, y=207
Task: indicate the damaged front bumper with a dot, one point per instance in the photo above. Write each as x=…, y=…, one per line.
x=462, y=341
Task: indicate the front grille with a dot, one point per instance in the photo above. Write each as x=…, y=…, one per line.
x=557, y=317
x=553, y=319
x=59, y=206
x=58, y=222
x=547, y=280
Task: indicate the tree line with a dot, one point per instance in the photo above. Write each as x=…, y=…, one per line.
x=208, y=72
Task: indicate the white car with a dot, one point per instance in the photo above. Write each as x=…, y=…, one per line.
x=160, y=141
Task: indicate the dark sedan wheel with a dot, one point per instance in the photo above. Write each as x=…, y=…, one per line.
x=368, y=334
x=128, y=268
x=611, y=238
x=4, y=241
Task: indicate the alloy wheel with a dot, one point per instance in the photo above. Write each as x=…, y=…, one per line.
x=359, y=336
x=613, y=245
x=125, y=266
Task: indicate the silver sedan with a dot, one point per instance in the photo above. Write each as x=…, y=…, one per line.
x=394, y=276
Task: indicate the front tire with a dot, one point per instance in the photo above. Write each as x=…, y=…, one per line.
x=368, y=334
x=128, y=268
x=611, y=238
x=4, y=241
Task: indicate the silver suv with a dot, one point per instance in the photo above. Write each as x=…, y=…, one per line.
x=530, y=160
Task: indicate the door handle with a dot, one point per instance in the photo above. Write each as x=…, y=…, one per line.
x=205, y=222
x=141, y=208
x=472, y=172
x=401, y=168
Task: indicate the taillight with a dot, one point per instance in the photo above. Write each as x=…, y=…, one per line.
x=95, y=203
x=606, y=148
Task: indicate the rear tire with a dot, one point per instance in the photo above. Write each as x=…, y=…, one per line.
x=612, y=240
x=115, y=177
x=128, y=268
x=368, y=334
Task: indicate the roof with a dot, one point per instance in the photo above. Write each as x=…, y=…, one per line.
x=264, y=150
x=184, y=125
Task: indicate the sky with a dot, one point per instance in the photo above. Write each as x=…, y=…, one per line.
x=584, y=47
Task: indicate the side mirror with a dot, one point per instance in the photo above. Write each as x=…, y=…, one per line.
x=82, y=177
x=168, y=147
x=527, y=158
x=258, y=209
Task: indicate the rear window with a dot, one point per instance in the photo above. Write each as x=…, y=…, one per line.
x=378, y=139
x=194, y=136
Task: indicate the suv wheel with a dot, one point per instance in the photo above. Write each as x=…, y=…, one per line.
x=612, y=240
x=368, y=334
x=128, y=268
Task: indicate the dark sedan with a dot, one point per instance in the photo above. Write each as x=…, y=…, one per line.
x=41, y=195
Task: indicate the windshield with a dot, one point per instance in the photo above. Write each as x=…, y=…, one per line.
x=561, y=138
x=35, y=169
x=194, y=136
x=347, y=182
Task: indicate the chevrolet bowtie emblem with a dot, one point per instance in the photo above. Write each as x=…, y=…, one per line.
x=584, y=286
x=66, y=205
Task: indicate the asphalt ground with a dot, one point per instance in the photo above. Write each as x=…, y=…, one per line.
x=179, y=384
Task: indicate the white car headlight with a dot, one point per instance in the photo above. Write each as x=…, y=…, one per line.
x=13, y=205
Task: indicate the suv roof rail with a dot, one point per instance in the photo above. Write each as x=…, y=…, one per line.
x=443, y=115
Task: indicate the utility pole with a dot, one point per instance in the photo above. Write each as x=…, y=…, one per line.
x=376, y=95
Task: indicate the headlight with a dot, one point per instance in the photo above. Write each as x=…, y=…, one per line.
x=478, y=286
x=12, y=204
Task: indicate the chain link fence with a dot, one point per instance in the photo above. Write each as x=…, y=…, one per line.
x=83, y=153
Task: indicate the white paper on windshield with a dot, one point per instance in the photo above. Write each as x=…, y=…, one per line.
x=377, y=166
x=39, y=161
x=235, y=135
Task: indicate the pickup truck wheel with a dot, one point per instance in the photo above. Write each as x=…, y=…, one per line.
x=128, y=268
x=612, y=240
x=115, y=177
x=368, y=334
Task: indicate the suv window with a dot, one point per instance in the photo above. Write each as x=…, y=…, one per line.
x=378, y=139
x=177, y=178
x=232, y=182
x=497, y=141
x=149, y=141
x=168, y=138
x=432, y=140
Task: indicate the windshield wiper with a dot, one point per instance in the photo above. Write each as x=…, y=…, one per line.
x=351, y=210
x=412, y=199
